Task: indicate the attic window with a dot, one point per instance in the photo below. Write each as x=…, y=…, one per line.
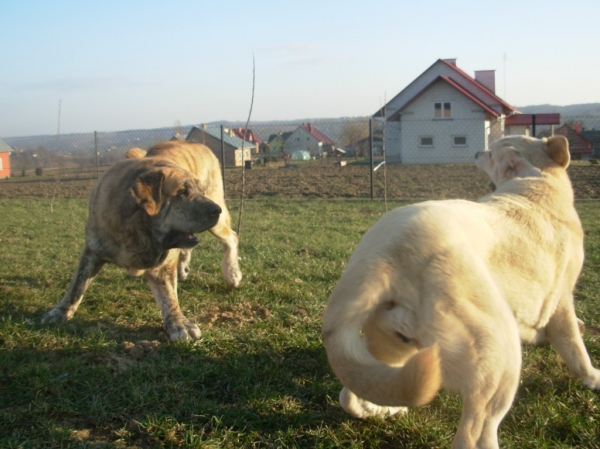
x=442, y=110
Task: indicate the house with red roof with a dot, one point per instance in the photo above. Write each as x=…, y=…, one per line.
x=580, y=147
x=248, y=135
x=227, y=147
x=5, y=151
x=309, y=139
x=445, y=116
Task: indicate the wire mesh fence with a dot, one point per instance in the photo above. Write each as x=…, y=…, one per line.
x=317, y=150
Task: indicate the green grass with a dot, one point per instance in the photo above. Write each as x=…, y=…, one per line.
x=258, y=377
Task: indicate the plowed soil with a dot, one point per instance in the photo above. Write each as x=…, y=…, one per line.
x=319, y=179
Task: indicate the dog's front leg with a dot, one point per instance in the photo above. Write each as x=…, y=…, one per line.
x=564, y=333
x=88, y=268
x=163, y=283
x=230, y=264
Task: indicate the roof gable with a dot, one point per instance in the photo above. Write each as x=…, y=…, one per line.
x=453, y=84
x=458, y=79
x=4, y=147
x=233, y=141
x=314, y=132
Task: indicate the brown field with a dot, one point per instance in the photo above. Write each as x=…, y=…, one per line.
x=321, y=179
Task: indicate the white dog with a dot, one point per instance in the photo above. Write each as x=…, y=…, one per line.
x=441, y=293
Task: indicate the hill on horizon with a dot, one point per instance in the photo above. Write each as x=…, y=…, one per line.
x=569, y=110
x=588, y=114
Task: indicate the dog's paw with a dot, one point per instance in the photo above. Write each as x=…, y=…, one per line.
x=232, y=275
x=55, y=315
x=180, y=328
x=592, y=381
x=360, y=408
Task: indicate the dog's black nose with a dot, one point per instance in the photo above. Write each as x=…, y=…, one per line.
x=214, y=210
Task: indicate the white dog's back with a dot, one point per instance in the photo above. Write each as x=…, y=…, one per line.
x=441, y=293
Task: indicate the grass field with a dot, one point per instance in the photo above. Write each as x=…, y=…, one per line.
x=258, y=377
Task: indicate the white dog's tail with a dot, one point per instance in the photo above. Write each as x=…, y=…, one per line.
x=135, y=153
x=349, y=308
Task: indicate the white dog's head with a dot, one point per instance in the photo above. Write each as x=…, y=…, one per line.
x=523, y=157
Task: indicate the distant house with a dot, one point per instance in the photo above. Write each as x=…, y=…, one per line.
x=5, y=151
x=445, y=116
x=232, y=145
x=579, y=146
x=308, y=138
x=248, y=135
x=594, y=137
x=275, y=144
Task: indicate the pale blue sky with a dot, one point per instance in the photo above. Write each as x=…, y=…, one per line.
x=126, y=64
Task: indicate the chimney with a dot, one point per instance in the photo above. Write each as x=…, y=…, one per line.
x=451, y=61
x=487, y=78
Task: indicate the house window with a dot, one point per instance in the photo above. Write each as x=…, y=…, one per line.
x=459, y=141
x=426, y=141
x=442, y=110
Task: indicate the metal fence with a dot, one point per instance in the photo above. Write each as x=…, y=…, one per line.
x=285, y=144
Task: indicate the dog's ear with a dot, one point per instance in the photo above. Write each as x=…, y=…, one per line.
x=557, y=147
x=147, y=191
x=514, y=165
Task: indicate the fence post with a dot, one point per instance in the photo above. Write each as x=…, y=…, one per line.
x=371, y=158
x=97, y=155
x=223, y=157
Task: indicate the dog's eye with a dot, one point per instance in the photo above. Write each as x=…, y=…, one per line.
x=182, y=192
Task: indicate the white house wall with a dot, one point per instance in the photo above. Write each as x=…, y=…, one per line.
x=300, y=140
x=393, y=143
x=417, y=121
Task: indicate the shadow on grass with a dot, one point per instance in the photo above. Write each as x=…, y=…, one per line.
x=211, y=386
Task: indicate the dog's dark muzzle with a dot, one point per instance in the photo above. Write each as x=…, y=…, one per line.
x=206, y=214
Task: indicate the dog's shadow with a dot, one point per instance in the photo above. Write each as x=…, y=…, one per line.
x=224, y=379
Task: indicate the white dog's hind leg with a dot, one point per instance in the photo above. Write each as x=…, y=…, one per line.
x=564, y=333
x=485, y=368
x=88, y=267
x=183, y=266
x=361, y=408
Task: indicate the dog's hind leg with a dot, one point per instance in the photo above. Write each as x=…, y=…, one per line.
x=183, y=266
x=88, y=268
x=230, y=264
x=564, y=333
x=163, y=283
x=485, y=369
x=361, y=408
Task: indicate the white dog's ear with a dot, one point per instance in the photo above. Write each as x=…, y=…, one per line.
x=514, y=165
x=147, y=191
x=557, y=148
